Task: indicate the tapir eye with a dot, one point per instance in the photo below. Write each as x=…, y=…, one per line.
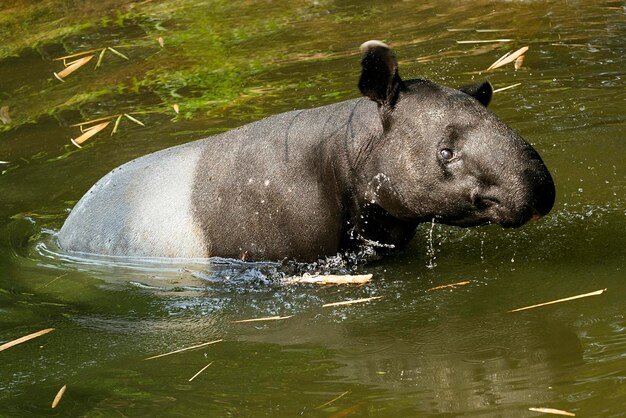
x=446, y=154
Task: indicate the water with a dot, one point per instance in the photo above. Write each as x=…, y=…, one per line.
x=414, y=352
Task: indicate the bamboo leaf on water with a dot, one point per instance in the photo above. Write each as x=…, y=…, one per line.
x=553, y=411
x=116, y=125
x=507, y=58
x=134, y=120
x=58, y=396
x=73, y=66
x=88, y=133
x=116, y=52
x=100, y=57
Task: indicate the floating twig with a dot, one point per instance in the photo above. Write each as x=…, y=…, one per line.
x=596, y=293
x=330, y=279
x=58, y=397
x=88, y=133
x=484, y=41
x=185, y=349
x=350, y=302
x=553, y=411
x=200, y=371
x=444, y=286
x=507, y=87
x=267, y=318
x=25, y=338
x=507, y=58
x=332, y=400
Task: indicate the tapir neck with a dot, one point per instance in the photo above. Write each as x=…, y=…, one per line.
x=360, y=145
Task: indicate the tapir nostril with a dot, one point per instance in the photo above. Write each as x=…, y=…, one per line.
x=484, y=202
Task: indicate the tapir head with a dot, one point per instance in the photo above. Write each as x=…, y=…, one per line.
x=443, y=155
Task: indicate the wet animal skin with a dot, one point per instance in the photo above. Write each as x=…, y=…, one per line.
x=310, y=183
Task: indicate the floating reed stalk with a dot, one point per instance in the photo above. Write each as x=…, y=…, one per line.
x=596, y=293
x=200, y=371
x=267, y=318
x=507, y=87
x=58, y=397
x=350, y=302
x=25, y=338
x=185, y=349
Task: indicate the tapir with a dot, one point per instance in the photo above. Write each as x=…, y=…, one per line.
x=311, y=183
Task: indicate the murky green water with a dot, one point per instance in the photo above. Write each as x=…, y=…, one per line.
x=414, y=352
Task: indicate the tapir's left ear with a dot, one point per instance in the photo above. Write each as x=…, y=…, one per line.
x=379, y=76
x=481, y=92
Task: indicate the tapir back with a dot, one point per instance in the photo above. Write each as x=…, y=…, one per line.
x=142, y=208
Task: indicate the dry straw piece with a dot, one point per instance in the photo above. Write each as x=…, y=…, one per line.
x=553, y=411
x=350, y=302
x=25, y=338
x=185, y=349
x=445, y=286
x=267, y=318
x=507, y=58
x=88, y=133
x=58, y=397
x=330, y=279
x=596, y=293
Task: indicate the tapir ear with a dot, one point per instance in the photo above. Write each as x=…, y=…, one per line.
x=481, y=92
x=379, y=76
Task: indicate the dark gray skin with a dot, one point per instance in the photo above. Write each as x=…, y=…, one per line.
x=307, y=184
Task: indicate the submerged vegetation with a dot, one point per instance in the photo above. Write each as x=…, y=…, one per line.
x=187, y=58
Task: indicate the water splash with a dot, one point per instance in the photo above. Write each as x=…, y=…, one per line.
x=430, y=249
